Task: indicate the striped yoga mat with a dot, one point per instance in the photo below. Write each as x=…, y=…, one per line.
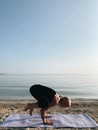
x=59, y=121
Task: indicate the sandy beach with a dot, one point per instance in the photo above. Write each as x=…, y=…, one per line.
x=89, y=107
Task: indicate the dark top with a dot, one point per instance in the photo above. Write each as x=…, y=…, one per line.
x=44, y=95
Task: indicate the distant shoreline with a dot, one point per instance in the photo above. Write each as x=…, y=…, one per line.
x=48, y=74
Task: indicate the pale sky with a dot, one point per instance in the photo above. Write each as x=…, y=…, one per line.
x=49, y=36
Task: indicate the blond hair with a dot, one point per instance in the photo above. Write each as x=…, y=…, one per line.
x=66, y=100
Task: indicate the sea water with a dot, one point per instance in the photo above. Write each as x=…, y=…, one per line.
x=16, y=86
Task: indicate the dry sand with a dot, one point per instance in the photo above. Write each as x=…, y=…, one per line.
x=89, y=107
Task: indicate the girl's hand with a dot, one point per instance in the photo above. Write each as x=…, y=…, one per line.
x=48, y=122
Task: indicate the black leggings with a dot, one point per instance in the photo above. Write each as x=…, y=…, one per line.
x=42, y=94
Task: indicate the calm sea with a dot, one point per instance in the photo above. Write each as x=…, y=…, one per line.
x=76, y=86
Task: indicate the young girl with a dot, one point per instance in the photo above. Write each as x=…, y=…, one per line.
x=46, y=98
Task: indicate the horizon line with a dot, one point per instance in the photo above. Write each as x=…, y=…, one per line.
x=45, y=74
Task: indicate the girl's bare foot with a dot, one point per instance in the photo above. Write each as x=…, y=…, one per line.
x=27, y=107
x=48, y=122
x=31, y=109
